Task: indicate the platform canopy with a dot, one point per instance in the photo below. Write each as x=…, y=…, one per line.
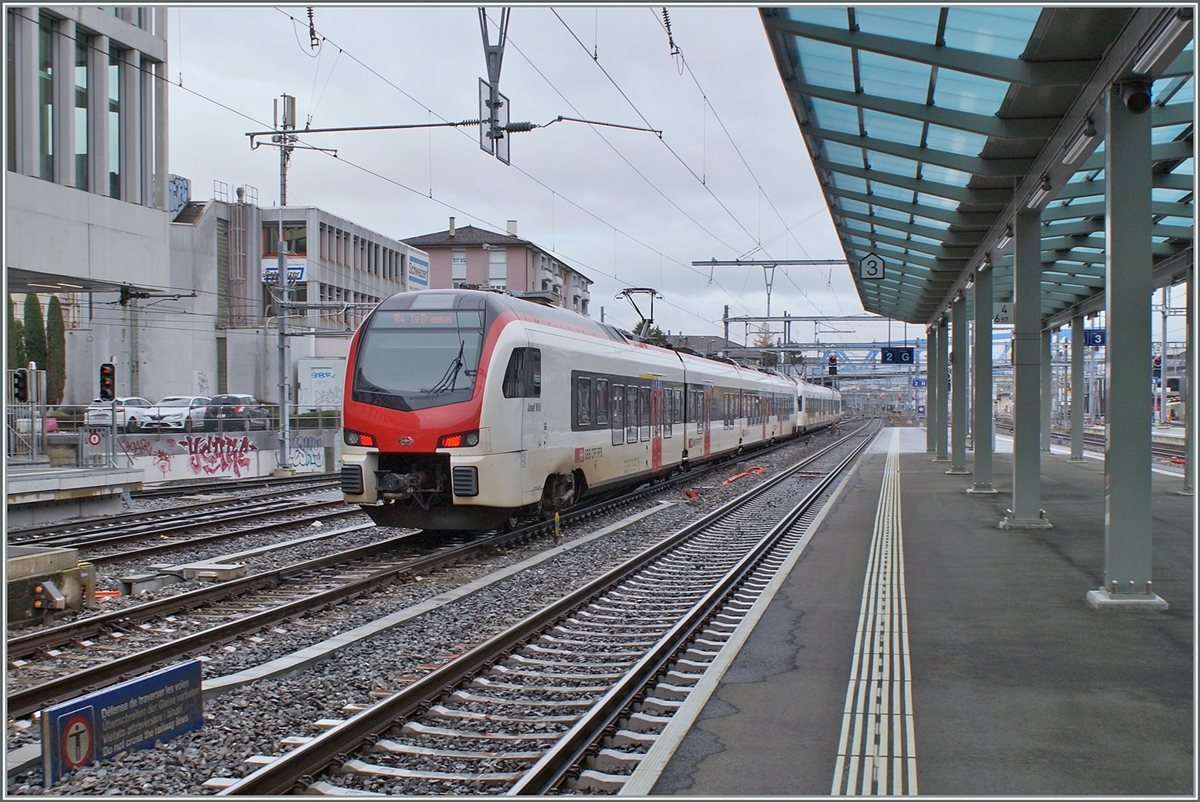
x=930, y=127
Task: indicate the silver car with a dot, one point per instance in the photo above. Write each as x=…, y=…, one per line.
x=131, y=413
x=182, y=412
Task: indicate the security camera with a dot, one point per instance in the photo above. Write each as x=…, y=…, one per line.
x=1136, y=96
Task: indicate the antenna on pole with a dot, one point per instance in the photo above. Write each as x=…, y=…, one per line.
x=285, y=140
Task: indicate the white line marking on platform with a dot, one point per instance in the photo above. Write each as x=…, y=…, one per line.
x=876, y=751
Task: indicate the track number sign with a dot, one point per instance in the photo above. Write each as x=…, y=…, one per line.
x=1002, y=313
x=896, y=356
x=871, y=267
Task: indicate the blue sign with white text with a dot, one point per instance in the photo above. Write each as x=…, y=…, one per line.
x=418, y=273
x=131, y=715
x=1094, y=336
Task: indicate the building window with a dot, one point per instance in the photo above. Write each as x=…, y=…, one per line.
x=498, y=268
x=295, y=234
x=46, y=97
x=11, y=89
x=114, y=123
x=458, y=267
x=81, y=112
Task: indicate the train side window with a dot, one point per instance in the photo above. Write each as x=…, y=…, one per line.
x=668, y=412
x=631, y=414
x=644, y=412
x=583, y=402
x=677, y=393
x=799, y=403
x=523, y=377
x=618, y=414
x=601, y=401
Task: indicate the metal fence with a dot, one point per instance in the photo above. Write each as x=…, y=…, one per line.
x=25, y=422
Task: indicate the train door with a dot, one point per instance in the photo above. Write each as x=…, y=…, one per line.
x=656, y=426
x=764, y=412
x=706, y=419
x=523, y=381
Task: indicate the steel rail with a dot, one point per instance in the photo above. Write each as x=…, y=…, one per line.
x=283, y=774
x=28, y=700
x=231, y=485
x=59, y=534
x=217, y=537
x=569, y=750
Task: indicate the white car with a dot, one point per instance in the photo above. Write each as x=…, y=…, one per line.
x=183, y=412
x=131, y=413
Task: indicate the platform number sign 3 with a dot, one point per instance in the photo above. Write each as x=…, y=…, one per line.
x=871, y=267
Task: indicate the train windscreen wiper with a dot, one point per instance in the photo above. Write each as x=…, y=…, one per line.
x=451, y=374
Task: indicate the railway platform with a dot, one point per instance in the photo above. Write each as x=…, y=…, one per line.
x=39, y=494
x=984, y=672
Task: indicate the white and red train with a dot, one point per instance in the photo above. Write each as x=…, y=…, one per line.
x=467, y=409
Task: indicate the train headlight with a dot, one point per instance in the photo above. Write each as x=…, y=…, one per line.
x=360, y=439
x=460, y=440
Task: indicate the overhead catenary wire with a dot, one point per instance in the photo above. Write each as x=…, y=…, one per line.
x=146, y=69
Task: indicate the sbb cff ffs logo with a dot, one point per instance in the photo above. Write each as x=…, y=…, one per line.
x=833, y=364
x=108, y=381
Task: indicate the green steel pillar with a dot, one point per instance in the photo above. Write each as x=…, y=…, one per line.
x=1026, y=511
x=1077, y=390
x=1047, y=387
x=958, y=410
x=982, y=384
x=930, y=389
x=941, y=440
x=1128, y=287
x=1185, y=393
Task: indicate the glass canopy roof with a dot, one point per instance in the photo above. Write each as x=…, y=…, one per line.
x=930, y=126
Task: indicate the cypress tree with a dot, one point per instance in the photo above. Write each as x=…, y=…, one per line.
x=56, y=352
x=35, y=332
x=16, y=339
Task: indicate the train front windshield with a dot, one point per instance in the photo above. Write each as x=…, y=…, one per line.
x=418, y=359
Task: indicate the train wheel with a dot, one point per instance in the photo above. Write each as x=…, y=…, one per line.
x=512, y=523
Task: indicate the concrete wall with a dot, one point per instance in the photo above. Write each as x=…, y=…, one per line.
x=60, y=231
x=236, y=455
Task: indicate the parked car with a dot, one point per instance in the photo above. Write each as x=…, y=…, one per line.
x=131, y=413
x=183, y=412
x=235, y=413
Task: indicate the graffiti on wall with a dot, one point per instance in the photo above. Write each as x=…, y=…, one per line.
x=305, y=452
x=213, y=453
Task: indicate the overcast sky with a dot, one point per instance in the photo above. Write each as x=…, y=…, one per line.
x=730, y=177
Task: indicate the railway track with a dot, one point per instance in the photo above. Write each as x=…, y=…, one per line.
x=231, y=485
x=94, y=531
x=1164, y=451
x=526, y=711
x=136, y=627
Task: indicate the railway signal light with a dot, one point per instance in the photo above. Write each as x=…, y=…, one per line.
x=108, y=381
x=1157, y=373
x=833, y=364
x=20, y=385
